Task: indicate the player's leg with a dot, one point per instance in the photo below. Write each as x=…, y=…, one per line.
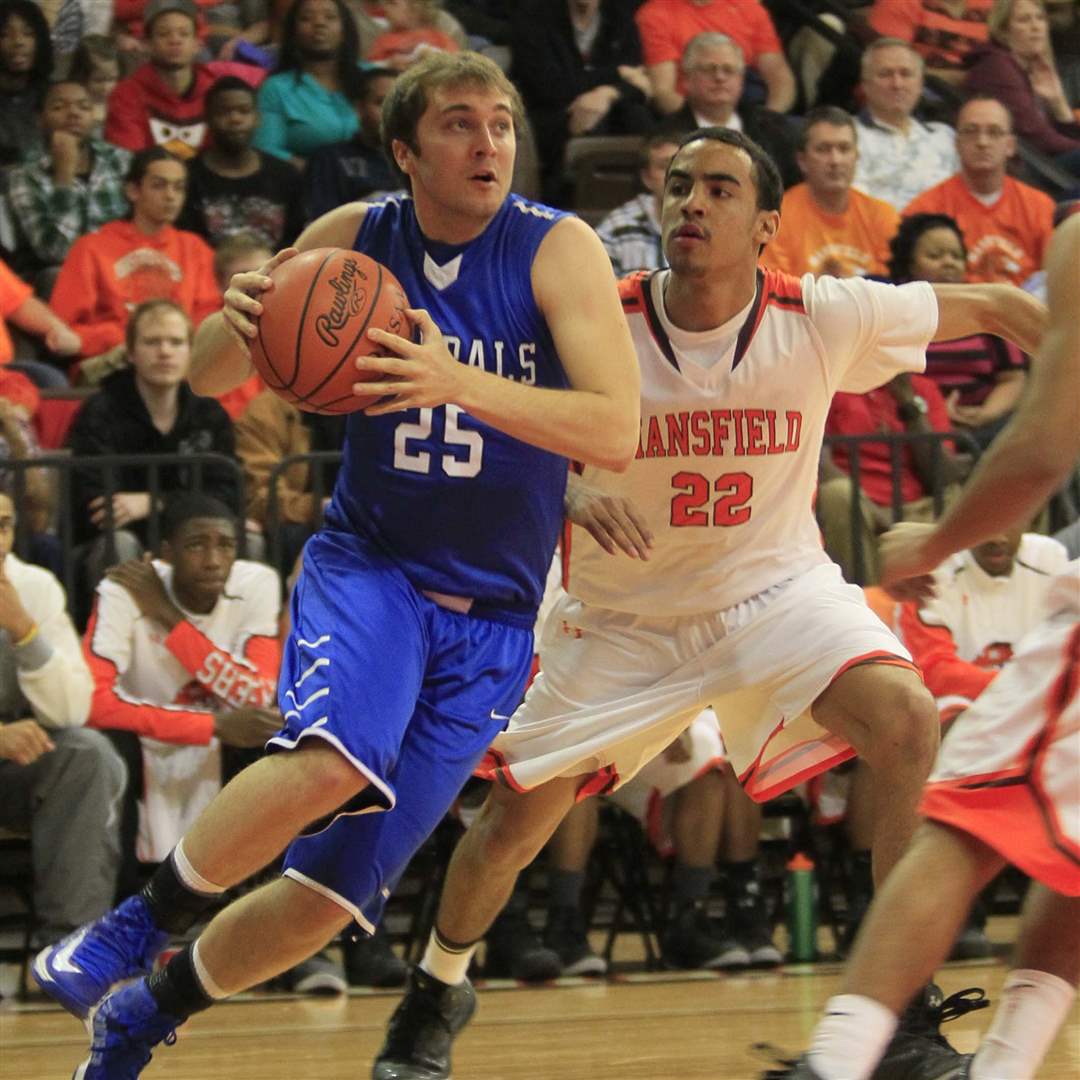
x=1039, y=990
x=888, y=716
x=884, y=971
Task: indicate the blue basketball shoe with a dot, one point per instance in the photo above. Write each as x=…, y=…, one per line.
x=122, y=1031
x=79, y=970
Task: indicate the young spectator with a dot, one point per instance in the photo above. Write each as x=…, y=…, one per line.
x=1018, y=68
x=147, y=408
x=122, y=264
x=714, y=75
x=164, y=102
x=268, y=431
x=70, y=21
x=579, y=70
x=412, y=32
x=347, y=171
x=58, y=781
x=667, y=25
x=631, y=232
x=1006, y=224
x=184, y=653
x=96, y=64
x=22, y=309
x=306, y=103
x=826, y=225
x=371, y=21
x=248, y=24
x=909, y=403
x=26, y=64
x=900, y=156
x=238, y=254
x=232, y=187
x=76, y=186
x=943, y=33
x=980, y=377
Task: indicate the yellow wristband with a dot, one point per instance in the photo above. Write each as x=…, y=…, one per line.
x=27, y=637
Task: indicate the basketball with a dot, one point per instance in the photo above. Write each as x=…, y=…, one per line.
x=314, y=325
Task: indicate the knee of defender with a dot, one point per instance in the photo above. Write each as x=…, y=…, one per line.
x=328, y=775
x=908, y=731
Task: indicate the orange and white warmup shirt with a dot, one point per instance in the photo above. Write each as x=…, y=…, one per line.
x=738, y=606
x=167, y=686
x=1009, y=771
x=961, y=638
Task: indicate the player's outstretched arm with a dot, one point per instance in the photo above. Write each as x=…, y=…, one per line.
x=221, y=358
x=596, y=421
x=1028, y=461
x=1003, y=310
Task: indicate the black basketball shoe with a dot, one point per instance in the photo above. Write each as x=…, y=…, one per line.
x=421, y=1031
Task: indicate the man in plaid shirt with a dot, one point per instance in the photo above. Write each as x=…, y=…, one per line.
x=76, y=186
x=631, y=232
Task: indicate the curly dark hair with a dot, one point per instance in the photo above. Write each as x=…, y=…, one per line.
x=348, y=58
x=31, y=14
x=902, y=245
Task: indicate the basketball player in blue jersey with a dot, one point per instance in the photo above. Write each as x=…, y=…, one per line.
x=412, y=620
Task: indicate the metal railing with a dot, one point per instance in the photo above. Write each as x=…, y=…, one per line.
x=106, y=470
x=897, y=442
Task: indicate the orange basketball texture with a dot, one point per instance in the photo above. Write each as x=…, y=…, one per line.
x=315, y=322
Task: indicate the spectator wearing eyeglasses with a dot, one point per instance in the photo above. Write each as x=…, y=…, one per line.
x=714, y=75
x=1006, y=223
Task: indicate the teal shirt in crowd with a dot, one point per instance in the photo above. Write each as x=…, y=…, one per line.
x=298, y=115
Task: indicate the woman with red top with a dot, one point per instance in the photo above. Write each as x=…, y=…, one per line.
x=980, y=377
x=1018, y=68
x=413, y=31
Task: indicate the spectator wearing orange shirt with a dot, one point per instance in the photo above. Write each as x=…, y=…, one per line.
x=412, y=32
x=21, y=308
x=826, y=225
x=944, y=32
x=109, y=272
x=1006, y=224
x=666, y=26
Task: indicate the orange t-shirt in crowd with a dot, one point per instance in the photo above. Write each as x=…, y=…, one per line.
x=1005, y=241
x=108, y=273
x=941, y=39
x=14, y=292
x=665, y=27
x=811, y=240
x=409, y=43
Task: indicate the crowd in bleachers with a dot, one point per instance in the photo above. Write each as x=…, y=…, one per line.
x=150, y=150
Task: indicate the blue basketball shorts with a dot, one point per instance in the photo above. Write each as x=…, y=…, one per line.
x=409, y=692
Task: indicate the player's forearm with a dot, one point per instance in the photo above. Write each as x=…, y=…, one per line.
x=1003, y=310
x=590, y=427
x=218, y=363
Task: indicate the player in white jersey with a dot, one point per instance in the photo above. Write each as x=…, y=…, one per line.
x=737, y=605
x=1007, y=785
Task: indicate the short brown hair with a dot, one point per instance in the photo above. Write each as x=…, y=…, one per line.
x=410, y=95
x=150, y=307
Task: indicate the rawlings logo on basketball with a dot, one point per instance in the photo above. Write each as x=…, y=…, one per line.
x=349, y=301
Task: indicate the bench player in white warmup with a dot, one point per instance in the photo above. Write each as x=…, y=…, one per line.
x=1006, y=787
x=737, y=605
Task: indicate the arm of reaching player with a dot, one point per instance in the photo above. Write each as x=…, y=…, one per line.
x=221, y=359
x=1028, y=461
x=596, y=421
x=614, y=522
x=1002, y=310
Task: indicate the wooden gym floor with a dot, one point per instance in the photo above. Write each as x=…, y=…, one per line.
x=635, y=1027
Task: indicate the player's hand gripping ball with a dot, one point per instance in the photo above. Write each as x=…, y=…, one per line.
x=314, y=325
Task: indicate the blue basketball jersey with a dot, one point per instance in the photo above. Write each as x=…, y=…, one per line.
x=462, y=508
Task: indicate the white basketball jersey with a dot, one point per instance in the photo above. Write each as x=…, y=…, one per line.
x=987, y=616
x=731, y=426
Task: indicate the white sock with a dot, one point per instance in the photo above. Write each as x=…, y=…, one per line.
x=1032, y=1008
x=206, y=980
x=851, y=1037
x=449, y=963
x=190, y=877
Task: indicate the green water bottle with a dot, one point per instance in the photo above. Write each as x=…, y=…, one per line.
x=802, y=915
